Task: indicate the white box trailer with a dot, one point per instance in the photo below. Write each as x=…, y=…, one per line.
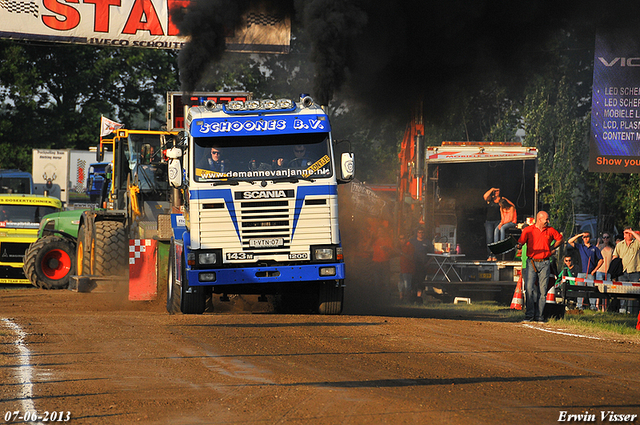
x=62, y=173
x=457, y=174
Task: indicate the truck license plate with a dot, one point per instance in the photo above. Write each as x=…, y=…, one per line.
x=484, y=276
x=266, y=243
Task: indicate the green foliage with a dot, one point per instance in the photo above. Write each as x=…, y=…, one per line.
x=374, y=141
x=553, y=125
x=627, y=197
x=52, y=95
x=11, y=156
x=490, y=114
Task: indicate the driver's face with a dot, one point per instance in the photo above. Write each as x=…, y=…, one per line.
x=299, y=151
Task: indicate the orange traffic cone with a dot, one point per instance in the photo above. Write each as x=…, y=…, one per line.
x=516, y=301
x=551, y=295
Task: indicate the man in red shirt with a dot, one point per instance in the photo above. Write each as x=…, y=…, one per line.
x=538, y=239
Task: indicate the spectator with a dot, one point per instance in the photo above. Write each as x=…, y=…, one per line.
x=606, y=249
x=407, y=267
x=569, y=269
x=590, y=255
x=492, y=198
x=590, y=258
x=627, y=251
x=538, y=239
x=508, y=219
x=421, y=248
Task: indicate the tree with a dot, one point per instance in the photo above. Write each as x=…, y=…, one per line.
x=52, y=95
x=559, y=133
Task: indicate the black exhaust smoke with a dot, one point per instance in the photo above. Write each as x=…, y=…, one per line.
x=410, y=50
x=205, y=22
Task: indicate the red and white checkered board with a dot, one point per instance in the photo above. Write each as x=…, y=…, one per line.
x=136, y=247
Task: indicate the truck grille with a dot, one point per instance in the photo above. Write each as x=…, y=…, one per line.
x=267, y=221
x=265, y=227
x=13, y=252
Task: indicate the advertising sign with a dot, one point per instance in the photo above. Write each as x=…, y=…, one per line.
x=615, y=111
x=131, y=23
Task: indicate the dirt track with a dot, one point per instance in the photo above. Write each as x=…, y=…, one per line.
x=106, y=360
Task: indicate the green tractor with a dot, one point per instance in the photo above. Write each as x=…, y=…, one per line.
x=95, y=242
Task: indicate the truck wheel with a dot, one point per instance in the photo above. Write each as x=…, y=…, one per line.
x=49, y=262
x=83, y=251
x=110, y=249
x=173, y=290
x=331, y=296
x=193, y=298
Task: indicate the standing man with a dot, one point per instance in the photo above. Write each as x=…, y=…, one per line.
x=492, y=198
x=590, y=257
x=627, y=251
x=420, y=249
x=407, y=267
x=539, y=248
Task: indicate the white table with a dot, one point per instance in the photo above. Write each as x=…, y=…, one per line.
x=445, y=264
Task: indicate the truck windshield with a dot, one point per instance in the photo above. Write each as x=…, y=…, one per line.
x=250, y=158
x=23, y=216
x=15, y=185
x=146, y=162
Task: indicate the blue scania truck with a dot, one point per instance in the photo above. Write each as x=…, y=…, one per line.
x=259, y=211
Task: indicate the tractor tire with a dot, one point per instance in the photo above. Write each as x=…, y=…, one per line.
x=83, y=251
x=50, y=262
x=173, y=290
x=331, y=297
x=110, y=249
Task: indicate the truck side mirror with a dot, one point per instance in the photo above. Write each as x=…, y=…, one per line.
x=347, y=167
x=174, y=168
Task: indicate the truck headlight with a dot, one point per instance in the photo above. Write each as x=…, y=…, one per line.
x=323, y=254
x=207, y=277
x=327, y=271
x=207, y=258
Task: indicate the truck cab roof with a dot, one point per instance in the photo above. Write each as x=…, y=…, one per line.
x=265, y=117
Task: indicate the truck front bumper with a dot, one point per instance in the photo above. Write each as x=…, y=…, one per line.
x=258, y=275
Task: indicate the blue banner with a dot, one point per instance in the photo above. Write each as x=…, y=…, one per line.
x=263, y=125
x=615, y=110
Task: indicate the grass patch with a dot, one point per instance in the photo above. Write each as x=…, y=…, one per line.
x=595, y=323
x=480, y=308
